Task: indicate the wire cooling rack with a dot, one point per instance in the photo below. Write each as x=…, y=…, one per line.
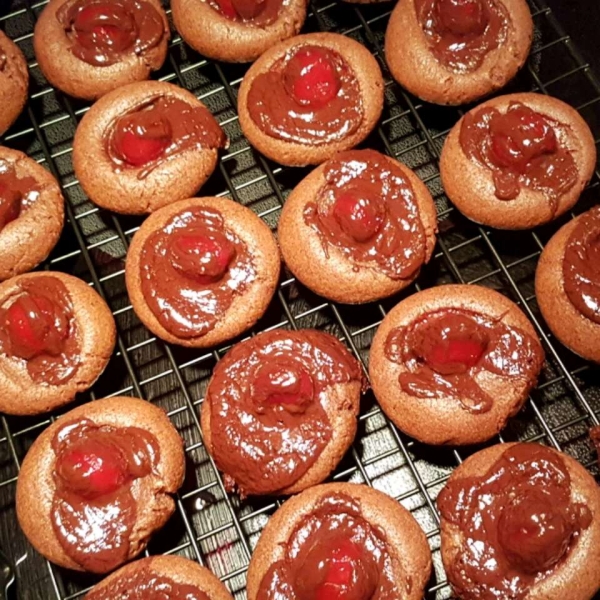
x=209, y=526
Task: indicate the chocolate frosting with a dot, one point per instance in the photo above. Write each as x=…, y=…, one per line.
x=38, y=327
x=192, y=270
x=334, y=552
x=279, y=99
x=145, y=584
x=257, y=13
x=16, y=193
x=445, y=350
x=517, y=522
x=268, y=421
x=367, y=209
x=522, y=148
x=159, y=129
x=103, y=32
x=461, y=33
x=94, y=510
x=581, y=265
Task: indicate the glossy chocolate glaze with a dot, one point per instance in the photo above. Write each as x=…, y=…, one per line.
x=93, y=514
x=445, y=350
x=517, y=523
x=279, y=114
x=159, y=129
x=38, y=327
x=16, y=193
x=367, y=210
x=461, y=33
x=103, y=32
x=522, y=148
x=334, y=552
x=257, y=13
x=581, y=265
x=268, y=421
x=145, y=584
x=192, y=270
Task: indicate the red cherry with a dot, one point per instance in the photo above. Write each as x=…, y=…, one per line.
x=104, y=24
x=10, y=204
x=249, y=9
x=340, y=572
x=461, y=17
x=359, y=217
x=227, y=10
x=138, y=150
x=311, y=78
x=22, y=333
x=283, y=383
x=455, y=355
x=92, y=469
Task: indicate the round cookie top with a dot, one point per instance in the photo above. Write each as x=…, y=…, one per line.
x=201, y=271
x=144, y=146
x=56, y=337
x=95, y=485
x=309, y=97
x=280, y=410
x=450, y=364
x=151, y=578
x=14, y=81
x=358, y=228
x=455, y=51
x=237, y=30
x=523, y=160
x=31, y=213
x=340, y=540
x=534, y=536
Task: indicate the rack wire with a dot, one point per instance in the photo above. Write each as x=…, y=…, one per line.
x=217, y=530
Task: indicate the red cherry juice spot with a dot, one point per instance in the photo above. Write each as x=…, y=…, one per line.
x=202, y=256
x=455, y=355
x=285, y=384
x=105, y=25
x=461, y=17
x=227, y=9
x=533, y=531
x=360, y=218
x=10, y=204
x=311, y=78
x=92, y=469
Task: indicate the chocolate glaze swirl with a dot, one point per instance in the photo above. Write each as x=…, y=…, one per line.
x=93, y=524
x=266, y=398
x=280, y=115
x=367, y=209
x=103, y=32
x=17, y=194
x=38, y=327
x=192, y=270
x=256, y=13
x=145, y=584
x=581, y=265
x=522, y=148
x=462, y=41
x=171, y=124
x=517, y=522
x=336, y=552
x=445, y=350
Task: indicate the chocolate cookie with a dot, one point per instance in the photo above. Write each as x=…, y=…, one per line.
x=280, y=411
x=31, y=213
x=160, y=577
x=595, y=437
x=14, y=82
x=56, y=337
x=336, y=540
x=451, y=364
x=309, y=97
x=521, y=521
x=95, y=485
x=87, y=48
x=518, y=161
x=202, y=271
x=237, y=30
x=144, y=146
x=567, y=284
x=456, y=51
x=358, y=228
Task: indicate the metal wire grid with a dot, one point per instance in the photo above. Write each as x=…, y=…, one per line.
x=218, y=530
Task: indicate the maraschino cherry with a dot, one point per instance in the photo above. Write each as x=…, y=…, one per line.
x=359, y=217
x=10, y=204
x=142, y=138
x=455, y=355
x=310, y=78
x=461, y=17
x=203, y=255
x=241, y=9
x=283, y=383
